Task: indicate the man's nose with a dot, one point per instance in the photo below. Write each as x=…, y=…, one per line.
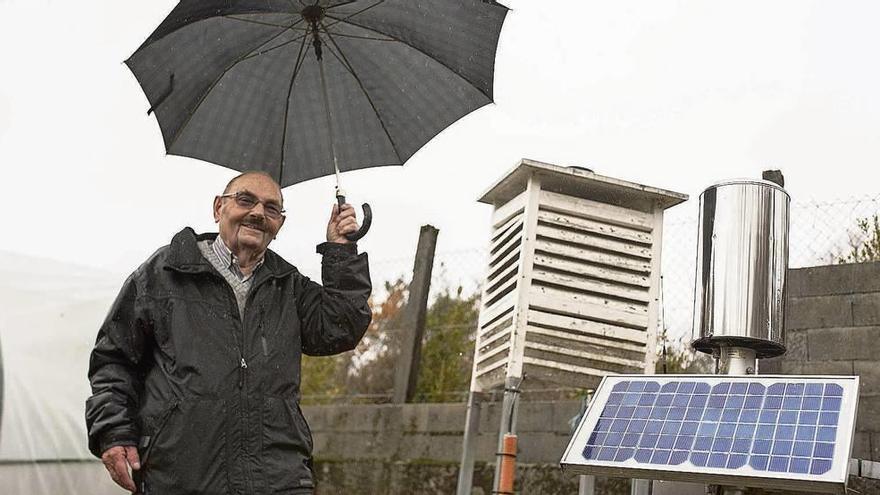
x=258, y=210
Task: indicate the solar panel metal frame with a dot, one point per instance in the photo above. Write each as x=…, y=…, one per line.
x=832, y=481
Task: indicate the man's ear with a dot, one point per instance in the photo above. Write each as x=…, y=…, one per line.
x=218, y=202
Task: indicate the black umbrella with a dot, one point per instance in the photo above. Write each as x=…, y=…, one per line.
x=301, y=89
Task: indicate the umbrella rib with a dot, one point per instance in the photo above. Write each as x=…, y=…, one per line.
x=263, y=23
x=214, y=83
x=344, y=61
x=414, y=48
x=360, y=37
x=368, y=7
x=267, y=50
x=299, y=60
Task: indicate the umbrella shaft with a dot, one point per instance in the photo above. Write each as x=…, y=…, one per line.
x=326, y=99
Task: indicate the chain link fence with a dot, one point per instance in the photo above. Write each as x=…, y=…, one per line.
x=821, y=232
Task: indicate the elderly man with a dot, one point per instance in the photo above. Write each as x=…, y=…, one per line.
x=196, y=371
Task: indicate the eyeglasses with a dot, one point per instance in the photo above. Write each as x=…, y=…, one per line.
x=248, y=201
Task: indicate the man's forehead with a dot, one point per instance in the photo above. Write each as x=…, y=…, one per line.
x=258, y=184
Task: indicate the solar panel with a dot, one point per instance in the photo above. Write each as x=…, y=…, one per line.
x=768, y=431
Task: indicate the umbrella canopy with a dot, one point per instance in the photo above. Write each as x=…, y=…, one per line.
x=239, y=83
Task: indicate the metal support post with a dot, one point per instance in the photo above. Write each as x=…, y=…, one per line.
x=508, y=421
x=587, y=485
x=469, y=444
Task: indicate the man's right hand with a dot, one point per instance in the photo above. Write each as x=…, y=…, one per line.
x=117, y=460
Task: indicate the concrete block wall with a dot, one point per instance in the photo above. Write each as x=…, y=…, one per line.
x=832, y=325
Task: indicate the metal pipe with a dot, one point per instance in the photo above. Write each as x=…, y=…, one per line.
x=739, y=360
x=469, y=444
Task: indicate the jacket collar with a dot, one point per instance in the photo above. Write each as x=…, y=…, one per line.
x=184, y=256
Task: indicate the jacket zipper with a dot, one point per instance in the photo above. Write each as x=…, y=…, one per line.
x=263, y=331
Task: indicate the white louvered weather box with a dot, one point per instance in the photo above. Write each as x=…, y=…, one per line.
x=571, y=291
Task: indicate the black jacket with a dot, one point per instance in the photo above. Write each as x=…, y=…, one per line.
x=211, y=399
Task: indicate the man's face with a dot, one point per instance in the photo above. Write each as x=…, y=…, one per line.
x=249, y=229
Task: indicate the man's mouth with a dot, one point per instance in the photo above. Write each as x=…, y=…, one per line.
x=252, y=226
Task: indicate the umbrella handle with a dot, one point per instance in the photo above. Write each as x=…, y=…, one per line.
x=365, y=225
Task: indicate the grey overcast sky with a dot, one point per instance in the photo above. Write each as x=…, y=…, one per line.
x=673, y=94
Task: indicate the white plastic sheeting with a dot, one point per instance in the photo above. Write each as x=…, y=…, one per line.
x=49, y=316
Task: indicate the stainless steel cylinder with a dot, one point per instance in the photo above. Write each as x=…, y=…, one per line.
x=742, y=257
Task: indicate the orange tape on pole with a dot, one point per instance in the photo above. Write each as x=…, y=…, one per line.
x=508, y=465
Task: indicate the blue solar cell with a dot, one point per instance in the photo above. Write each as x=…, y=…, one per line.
x=603, y=425
x=721, y=388
x=745, y=430
x=794, y=389
x=637, y=425
x=693, y=414
x=636, y=386
x=700, y=458
x=642, y=413
x=624, y=454
x=613, y=439
x=686, y=387
x=828, y=418
x=759, y=462
x=765, y=432
x=664, y=400
x=778, y=464
x=689, y=428
x=799, y=465
x=698, y=400
x=826, y=433
x=736, y=461
x=647, y=399
x=702, y=388
x=630, y=440
x=813, y=389
x=591, y=452
x=812, y=403
x=739, y=388
x=741, y=445
x=831, y=404
x=671, y=427
x=722, y=445
x=756, y=389
x=805, y=433
x=749, y=416
x=726, y=430
x=703, y=442
x=625, y=412
x=820, y=466
x=620, y=386
x=648, y=440
x=768, y=417
x=802, y=449
x=614, y=399
x=772, y=402
x=653, y=426
x=607, y=454
x=643, y=455
x=666, y=442
x=735, y=401
x=717, y=400
x=661, y=457
x=712, y=414
x=808, y=418
x=753, y=401
x=659, y=412
x=730, y=415
x=619, y=425
x=776, y=389
x=708, y=428
x=784, y=432
x=684, y=442
x=833, y=389
x=681, y=400
x=761, y=447
x=824, y=450
x=782, y=447
x=792, y=403
x=675, y=414
x=717, y=460
x=630, y=399
x=678, y=457
x=788, y=417
x=669, y=387
x=652, y=387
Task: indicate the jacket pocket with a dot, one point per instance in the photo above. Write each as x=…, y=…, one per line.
x=148, y=441
x=189, y=456
x=287, y=446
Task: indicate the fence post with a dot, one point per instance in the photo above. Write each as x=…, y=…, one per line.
x=413, y=324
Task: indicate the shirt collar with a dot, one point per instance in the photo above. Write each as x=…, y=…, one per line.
x=224, y=253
